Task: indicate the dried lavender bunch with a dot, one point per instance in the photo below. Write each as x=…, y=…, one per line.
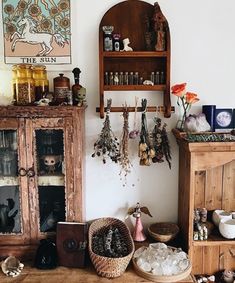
x=146, y=151
x=107, y=145
x=124, y=144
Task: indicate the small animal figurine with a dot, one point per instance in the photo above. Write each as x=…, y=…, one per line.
x=50, y=162
x=126, y=43
x=138, y=235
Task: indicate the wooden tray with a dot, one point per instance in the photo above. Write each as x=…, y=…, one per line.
x=164, y=278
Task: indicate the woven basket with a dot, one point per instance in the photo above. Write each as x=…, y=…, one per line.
x=105, y=266
x=163, y=231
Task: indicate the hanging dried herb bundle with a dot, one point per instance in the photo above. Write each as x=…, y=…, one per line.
x=135, y=132
x=107, y=145
x=160, y=142
x=124, y=144
x=146, y=151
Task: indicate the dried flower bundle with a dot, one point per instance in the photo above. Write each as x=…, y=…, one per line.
x=160, y=142
x=146, y=151
x=124, y=144
x=107, y=145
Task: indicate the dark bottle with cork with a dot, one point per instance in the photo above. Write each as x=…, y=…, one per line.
x=61, y=86
x=77, y=90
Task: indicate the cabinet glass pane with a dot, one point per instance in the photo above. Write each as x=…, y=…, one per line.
x=9, y=210
x=51, y=207
x=50, y=152
x=8, y=154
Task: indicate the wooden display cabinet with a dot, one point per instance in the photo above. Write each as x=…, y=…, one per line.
x=206, y=179
x=41, y=168
x=128, y=18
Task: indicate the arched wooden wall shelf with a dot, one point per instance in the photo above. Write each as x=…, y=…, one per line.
x=128, y=19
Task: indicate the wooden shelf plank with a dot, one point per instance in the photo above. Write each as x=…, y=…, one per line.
x=209, y=243
x=130, y=54
x=9, y=181
x=51, y=180
x=160, y=109
x=134, y=87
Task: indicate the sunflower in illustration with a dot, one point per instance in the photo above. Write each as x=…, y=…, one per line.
x=22, y=5
x=34, y=10
x=9, y=9
x=63, y=5
x=10, y=28
x=54, y=11
x=64, y=23
x=46, y=24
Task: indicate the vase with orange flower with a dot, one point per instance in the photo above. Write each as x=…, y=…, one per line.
x=185, y=101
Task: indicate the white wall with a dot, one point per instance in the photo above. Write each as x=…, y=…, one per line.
x=203, y=48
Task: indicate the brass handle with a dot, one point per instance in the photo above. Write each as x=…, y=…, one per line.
x=31, y=172
x=22, y=172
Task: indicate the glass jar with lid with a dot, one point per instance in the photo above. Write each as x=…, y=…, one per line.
x=23, y=84
x=40, y=80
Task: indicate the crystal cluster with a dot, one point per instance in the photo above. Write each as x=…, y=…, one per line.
x=109, y=243
x=159, y=259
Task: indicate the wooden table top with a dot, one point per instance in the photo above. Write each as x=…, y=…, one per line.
x=74, y=275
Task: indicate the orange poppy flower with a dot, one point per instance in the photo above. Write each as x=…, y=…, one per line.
x=191, y=97
x=178, y=89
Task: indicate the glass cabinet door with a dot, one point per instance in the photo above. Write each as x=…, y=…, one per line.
x=10, y=208
x=50, y=177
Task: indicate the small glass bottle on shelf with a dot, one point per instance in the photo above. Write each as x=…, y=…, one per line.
x=131, y=78
x=162, y=78
x=116, y=79
x=152, y=79
x=121, y=78
x=157, y=78
x=106, y=78
x=111, y=78
x=126, y=79
x=136, y=78
x=141, y=80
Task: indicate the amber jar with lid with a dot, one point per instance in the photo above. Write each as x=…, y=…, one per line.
x=23, y=84
x=61, y=86
x=41, y=81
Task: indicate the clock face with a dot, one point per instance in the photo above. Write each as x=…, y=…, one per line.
x=224, y=119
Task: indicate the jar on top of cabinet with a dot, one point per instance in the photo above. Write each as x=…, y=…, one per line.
x=23, y=84
x=61, y=86
x=41, y=81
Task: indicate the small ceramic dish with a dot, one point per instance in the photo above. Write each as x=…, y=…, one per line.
x=227, y=228
x=218, y=215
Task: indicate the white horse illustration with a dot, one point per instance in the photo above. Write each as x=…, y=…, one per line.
x=31, y=36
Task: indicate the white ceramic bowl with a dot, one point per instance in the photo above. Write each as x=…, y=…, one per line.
x=218, y=215
x=227, y=228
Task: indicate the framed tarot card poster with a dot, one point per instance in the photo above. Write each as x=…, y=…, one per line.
x=37, y=31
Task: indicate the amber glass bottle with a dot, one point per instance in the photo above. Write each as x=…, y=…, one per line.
x=41, y=81
x=76, y=87
x=23, y=84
